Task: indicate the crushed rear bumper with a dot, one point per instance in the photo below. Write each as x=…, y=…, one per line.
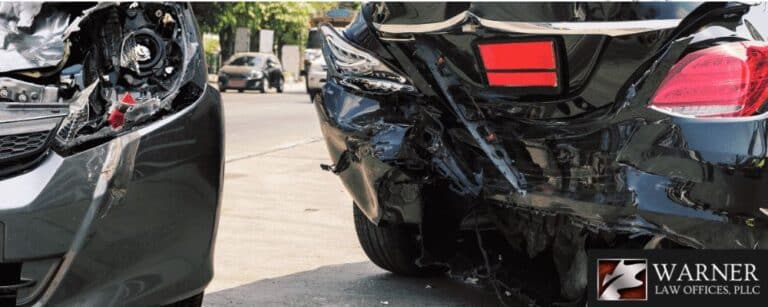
x=696, y=182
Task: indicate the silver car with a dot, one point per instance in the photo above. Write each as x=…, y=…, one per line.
x=314, y=63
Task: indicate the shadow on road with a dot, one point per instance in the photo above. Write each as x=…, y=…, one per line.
x=352, y=284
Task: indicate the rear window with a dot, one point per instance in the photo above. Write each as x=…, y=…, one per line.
x=315, y=39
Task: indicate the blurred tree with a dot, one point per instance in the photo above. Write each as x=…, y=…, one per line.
x=224, y=18
x=289, y=20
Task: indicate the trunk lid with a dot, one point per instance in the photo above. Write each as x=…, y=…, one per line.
x=596, y=48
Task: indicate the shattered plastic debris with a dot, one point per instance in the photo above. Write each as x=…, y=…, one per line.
x=384, y=302
x=78, y=114
x=24, y=11
x=142, y=110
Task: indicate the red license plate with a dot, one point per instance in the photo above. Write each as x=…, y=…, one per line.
x=520, y=64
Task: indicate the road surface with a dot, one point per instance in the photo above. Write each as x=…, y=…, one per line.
x=286, y=236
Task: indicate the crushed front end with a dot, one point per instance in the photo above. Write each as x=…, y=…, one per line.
x=111, y=155
x=512, y=169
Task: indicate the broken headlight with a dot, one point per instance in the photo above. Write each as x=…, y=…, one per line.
x=357, y=69
x=134, y=62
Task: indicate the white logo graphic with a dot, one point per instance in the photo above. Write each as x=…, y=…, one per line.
x=621, y=277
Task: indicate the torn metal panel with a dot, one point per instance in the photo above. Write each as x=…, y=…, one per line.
x=584, y=162
x=30, y=40
x=88, y=147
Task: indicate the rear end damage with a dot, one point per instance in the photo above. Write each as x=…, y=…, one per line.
x=421, y=135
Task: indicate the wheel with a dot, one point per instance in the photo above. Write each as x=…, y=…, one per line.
x=240, y=90
x=391, y=247
x=280, y=85
x=222, y=89
x=195, y=301
x=263, y=88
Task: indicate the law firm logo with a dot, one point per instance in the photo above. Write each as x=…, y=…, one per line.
x=622, y=279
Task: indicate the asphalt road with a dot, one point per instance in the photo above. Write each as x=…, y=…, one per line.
x=286, y=236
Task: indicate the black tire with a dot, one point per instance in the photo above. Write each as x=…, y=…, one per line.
x=240, y=90
x=195, y=301
x=222, y=89
x=281, y=85
x=263, y=88
x=391, y=247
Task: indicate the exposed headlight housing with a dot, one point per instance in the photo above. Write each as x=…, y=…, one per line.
x=357, y=69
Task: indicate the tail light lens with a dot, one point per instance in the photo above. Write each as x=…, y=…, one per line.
x=729, y=80
x=357, y=69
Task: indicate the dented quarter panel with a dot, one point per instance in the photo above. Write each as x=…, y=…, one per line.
x=593, y=151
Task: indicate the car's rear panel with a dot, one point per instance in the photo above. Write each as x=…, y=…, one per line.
x=587, y=146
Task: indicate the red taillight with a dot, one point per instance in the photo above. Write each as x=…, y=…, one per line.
x=520, y=64
x=521, y=79
x=728, y=80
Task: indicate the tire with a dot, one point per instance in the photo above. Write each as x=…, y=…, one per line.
x=195, y=301
x=391, y=247
x=240, y=90
x=281, y=85
x=222, y=89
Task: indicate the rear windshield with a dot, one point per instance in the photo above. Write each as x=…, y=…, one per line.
x=315, y=39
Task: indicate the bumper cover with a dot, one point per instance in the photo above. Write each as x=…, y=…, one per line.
x=129, y=222
x=696, y=182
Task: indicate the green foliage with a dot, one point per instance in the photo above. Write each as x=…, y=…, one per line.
x=289, y=20
x=211, y=43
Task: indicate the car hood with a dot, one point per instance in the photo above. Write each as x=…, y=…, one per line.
x=27, y=42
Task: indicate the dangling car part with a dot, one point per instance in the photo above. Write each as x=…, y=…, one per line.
x=503, y=140
x=111, y=147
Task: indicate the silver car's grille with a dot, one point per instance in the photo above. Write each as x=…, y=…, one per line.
x=12, y=146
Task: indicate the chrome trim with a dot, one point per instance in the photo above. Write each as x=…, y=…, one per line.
x=424, y=27
x=610, y=28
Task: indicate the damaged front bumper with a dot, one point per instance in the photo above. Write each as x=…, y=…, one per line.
x=131, y=221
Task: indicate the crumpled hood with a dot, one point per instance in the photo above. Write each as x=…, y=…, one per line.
x=31, y=37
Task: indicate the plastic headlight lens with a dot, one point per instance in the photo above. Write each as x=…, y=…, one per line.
x=358, y=69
